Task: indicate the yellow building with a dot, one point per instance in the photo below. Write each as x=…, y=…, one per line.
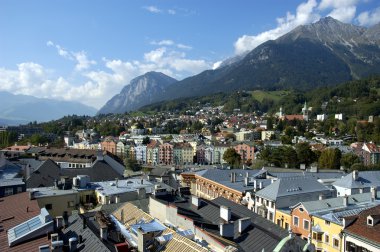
x=283, y=218
x=326, y=233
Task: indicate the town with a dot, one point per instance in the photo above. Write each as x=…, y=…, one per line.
x=203, y=180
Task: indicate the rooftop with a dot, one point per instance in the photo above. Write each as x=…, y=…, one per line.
x=288, y=186
x=14, y=210
x=359, y=226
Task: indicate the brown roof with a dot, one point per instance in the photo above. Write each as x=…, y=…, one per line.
x=360, y=228
x=293, y=117
x=13, y=211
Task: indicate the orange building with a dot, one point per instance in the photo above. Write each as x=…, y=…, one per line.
x=109, y=144
x=301, y=221
x=246, y=151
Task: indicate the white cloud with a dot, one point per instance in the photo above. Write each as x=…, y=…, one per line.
x=304, y=14
x=182, y=46
x=152, y=9
x=166, y=42
x=217, y=64
x=172, y=12
x=344, y=14
x=94, y=88
x=307, y=12
x=369, y=18
x=83, y=62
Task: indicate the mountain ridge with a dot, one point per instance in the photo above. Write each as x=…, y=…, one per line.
x=324, y=53
x=141, y=91
x=18, y=109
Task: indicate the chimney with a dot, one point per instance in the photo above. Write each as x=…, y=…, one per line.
x=225, y=213
x=117, y=199
x=244, y=224
x=360, y=190
x=254, y=184
x=104, y=233
x=73, y=242
x=80, y=239
x=247, y=175
x=84, y=222
x=195, y=201
x=345, y=200
x=233, y=177
x=142, y=239
x=141, y=193
x=65, y=216
x=226, y=230
x=246, y=181
x=355, y=175
x=59, y=221
x=261, y=185
x=99, y=155
x=117, y=182
x=373, y=193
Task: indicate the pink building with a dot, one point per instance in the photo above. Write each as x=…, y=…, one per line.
x=166, y=153
x=246, y=151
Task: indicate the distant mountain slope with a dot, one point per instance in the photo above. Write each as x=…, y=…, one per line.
x=324, y=53
x=141, y=91
x=16, y=109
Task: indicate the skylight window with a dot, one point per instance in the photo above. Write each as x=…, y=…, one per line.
x=31, y=228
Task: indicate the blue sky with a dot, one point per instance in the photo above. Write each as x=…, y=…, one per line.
x=88, y=50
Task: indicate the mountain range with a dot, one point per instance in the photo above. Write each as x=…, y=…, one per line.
x=19, y=109
x=141, y=91
x=324, y=53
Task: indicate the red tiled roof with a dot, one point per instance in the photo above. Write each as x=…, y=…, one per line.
x=371, y=147
x=13, y=211
x=360, y=228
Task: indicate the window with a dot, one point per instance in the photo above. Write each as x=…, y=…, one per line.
x=279, y=222
x=369, y=221
x=317, y=236
x=327, y=238
x=286, y=225
x=49, y=206
x=272, y=204
x=70, y=204
x=271, y=216
x=306, y=224
x=336, y=242
x=8, y=191
x=327, y=222
x=295, y=221
x=301, y=209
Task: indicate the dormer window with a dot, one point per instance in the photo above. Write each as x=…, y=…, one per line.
x=370, y=221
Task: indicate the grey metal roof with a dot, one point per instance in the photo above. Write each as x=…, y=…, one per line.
x=337, y=216
x=317, y=175
x=50, y=171
x=365, y=179
x=337, y=203
x=90, y=243
x=221, y=175
x=261, y=234
x=11, y=182
x=291, y=186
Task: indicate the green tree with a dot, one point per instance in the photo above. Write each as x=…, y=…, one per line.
x=146, y=140
x=349, y=159
x=304, y=154
x=131, y=164
x=289, y=156
x=232, y=157
x=330, y=159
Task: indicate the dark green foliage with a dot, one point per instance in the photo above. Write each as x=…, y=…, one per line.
x=232, y=157
x=330, y=159
x=348, y=160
